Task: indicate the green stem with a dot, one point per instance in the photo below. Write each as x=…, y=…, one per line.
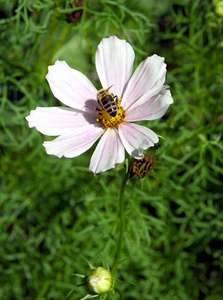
x=120, y=294
x=122, y=220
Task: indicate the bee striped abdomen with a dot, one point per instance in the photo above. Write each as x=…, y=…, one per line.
x=110, y=114
x=107, y=101
x=109, y=105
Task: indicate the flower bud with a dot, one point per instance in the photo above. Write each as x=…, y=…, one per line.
x=75, y=15
x=100, y=281
x=219, y=8
x=141, y=167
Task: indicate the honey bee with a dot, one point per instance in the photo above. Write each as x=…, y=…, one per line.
x=107, y=101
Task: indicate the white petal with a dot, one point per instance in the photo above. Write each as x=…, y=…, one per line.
x=108, y=152
x=150, y=72
x=135, y=138
x=58, y=120
x=149, y=107
x=114, y=61
x=121, y=152
x=71, y=87
x=74, y=142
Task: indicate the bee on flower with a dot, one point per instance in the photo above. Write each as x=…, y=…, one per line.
x=108, y=113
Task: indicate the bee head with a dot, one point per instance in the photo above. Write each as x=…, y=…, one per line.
x=103, y=92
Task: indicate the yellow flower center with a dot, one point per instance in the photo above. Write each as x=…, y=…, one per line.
x=108, y=121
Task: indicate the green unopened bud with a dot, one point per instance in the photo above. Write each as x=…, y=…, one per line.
x=100, y=281
x=219, y=7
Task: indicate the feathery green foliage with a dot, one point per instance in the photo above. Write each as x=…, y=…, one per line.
x=53, y=211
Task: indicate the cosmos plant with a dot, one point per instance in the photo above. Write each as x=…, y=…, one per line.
x=90, y=115
x=107, y=114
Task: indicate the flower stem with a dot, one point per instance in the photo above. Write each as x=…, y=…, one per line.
x=122, y=220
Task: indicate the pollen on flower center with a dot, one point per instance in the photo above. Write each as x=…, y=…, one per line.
x=108, y=121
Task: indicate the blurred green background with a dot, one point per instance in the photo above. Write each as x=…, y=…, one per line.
x=53, y=211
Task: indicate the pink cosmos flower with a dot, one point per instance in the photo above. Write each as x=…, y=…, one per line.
x=141, y=96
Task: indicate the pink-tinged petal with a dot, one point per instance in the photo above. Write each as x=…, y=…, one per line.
x=121, y=152
x=108, y=152
x=149, y=107
x=114, y=61
x=74, y=142
x=58, y=120
x=71, y=87
x=150, y=72
x=135, y=138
